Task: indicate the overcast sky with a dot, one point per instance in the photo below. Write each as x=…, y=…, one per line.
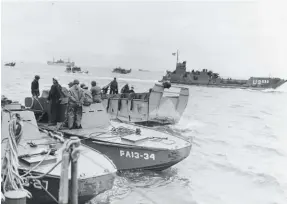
x=232, y=38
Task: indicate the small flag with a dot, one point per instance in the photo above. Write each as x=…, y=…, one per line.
x=174, y=54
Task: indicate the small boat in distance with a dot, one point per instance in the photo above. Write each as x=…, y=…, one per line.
x=10, y=64
x=75, y=69
x=143, y=70
x=61, y=62
x=122, y=71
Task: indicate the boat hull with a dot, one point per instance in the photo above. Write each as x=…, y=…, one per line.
x=88, y=188
x=130, y=157
x=232, y=86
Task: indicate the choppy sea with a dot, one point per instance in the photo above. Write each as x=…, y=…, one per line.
x=239, y=153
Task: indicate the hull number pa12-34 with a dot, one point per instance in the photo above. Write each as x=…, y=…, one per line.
x=137, y=155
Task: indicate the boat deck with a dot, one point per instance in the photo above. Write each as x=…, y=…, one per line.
x=99, y=164
x=125, y=134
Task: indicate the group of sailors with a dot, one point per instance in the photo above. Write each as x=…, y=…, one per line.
x=75, y=96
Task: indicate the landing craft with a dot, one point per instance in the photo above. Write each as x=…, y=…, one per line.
x=162, y=105
x=10, y=64
x=128, y=146
x=211, y=79
x=41, y=172
x=122, y=71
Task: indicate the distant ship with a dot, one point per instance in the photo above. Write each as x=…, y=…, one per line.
x=208, y=78
x=61, y=62
x=122, y=71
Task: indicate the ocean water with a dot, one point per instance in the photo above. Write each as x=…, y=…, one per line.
x=239, y=153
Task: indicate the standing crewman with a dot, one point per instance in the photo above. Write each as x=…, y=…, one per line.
x=114, y=87
x=76, y=101
x=125, y=89
x=54, y=99
x=35, y=87
x=88, y=99
x=96, y=92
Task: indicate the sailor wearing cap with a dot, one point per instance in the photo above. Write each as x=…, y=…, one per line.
x=76, y=101
x=35, y=87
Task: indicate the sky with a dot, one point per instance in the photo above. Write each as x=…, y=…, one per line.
x=233, y=38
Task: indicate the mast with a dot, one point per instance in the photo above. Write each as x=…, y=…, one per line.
x=176, y=57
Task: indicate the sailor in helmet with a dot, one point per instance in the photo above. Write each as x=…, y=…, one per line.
x=75, y=104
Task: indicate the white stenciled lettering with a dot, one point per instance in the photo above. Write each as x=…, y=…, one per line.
x=128, y=154
x=259, y=82
x=137, y=155
x=146, y=156
x=35, y=183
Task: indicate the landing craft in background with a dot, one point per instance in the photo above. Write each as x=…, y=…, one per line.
x=122, y=71
x=10, y=64
x=75, y=69
x=208, y=78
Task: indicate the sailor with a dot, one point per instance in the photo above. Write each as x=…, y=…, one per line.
x=125, y=89
x=132, y=93
x=114, y=87
x=88, y=99
x=76, y=100
x=64, y=102
x=71, y=84
x=132, y=90
x=35, y=87
x=54, y=99
x=96, y=92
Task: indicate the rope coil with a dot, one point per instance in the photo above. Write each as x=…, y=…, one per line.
x=10, y=164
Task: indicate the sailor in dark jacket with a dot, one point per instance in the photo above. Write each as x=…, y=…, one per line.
x=35, y=87
x=54, y=99
x=114, y=87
